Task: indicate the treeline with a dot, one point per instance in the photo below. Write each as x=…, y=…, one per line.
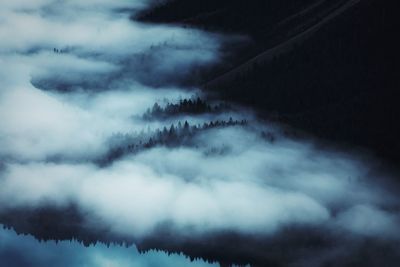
x=57, y=231
x=50, y=223
x=174, y=135
x=61, y=51
x=185, y=106
x=58, y=51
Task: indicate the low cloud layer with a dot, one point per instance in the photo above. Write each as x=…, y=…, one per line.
x=257, y=188
x=74, y=74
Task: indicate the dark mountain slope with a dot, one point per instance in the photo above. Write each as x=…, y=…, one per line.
x=226, y=15
x=267, y=23
x=339, y=84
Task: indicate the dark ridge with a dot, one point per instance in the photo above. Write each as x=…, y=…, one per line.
x=174, y=136
x=54, y=223
x=293, y=245
x=251, y=16
x=184, y=107
x=339, y=85
x=267, y=23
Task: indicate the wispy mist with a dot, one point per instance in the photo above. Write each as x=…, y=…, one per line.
x=74, y=74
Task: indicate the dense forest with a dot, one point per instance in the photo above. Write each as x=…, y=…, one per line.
x=173, y=135
x=184, y=107
x=67, y=223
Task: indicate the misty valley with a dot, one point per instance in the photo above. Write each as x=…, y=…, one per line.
x=197, y=133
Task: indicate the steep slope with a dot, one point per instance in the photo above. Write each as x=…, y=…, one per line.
x=339, y=84
x=331, y=73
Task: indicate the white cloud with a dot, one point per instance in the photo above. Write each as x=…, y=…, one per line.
x=253, y=187
x=367, y=220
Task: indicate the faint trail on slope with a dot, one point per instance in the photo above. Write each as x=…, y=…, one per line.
x=282, y=48
x=301, y=13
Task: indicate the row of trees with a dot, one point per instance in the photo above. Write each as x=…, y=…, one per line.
x=175, y=135
x=63, y=233
x=59, y=51
x=186, y=106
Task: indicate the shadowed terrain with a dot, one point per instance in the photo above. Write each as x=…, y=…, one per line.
x=199, y=133
x=338, y=82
